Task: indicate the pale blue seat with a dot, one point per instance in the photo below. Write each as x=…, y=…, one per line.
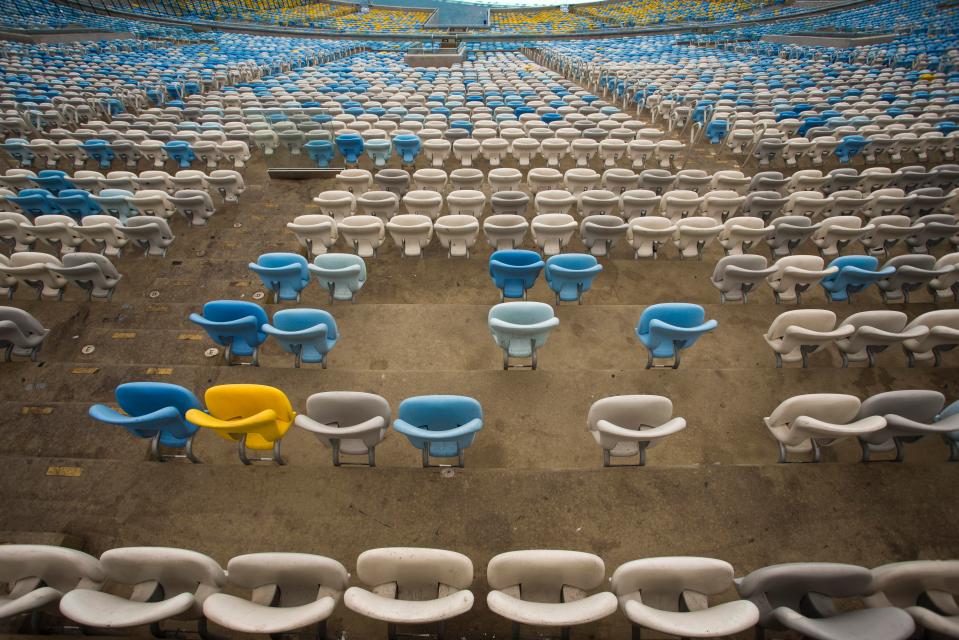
x=951, y=413
x=34, y=202
x=180, y=152
x=285, y=274
x=570, y=275
x=153, y=410
x=309, y=334
x=668, y=328
x=514, y=271
x=342, y=274
x=234, y=324
x=18, y=150
x=521, y=328
x=407, y=146
x=440, y=426
x=350, y=146
x=116, y=202
x=379, y=151
x=76, y=203
x=855, y=274
x=320, y=151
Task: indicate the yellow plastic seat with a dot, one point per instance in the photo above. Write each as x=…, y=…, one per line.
x=254, y=416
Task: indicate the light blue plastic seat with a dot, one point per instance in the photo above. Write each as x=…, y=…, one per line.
x=99, y=151
x=309, y=334
x=285, y=274
x=342, y=274
x=855, y=274
x=668, y=328
x=514, y=271
x=18, y=150
x=52, y=180
x=116, y=203
x=236, y=325
x=521, y=328
x=180, y=152
x=379, y=151
x=320, y=151
x=76, y=203
x=570, y=275
x=154, y=410
x=350, y=146
x=407, y=147
x=951, y=413
x=440, y=426
x=34, y=202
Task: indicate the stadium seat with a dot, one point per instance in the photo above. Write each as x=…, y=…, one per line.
x=571, y=275
x=309, y=334
x=21, y=334
x=440, y=426
x=284, y=274
x=804, y=424
x=39, y=576
x=514, y=271
x=666, y=329
x=520, y=329
x=342, y=274
x=348, y=422
x=626, y=426
x=236, y=325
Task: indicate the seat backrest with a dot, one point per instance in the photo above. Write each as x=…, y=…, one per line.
x=785, y=585
x=24, y=321
x=679, y=314
x=301, y=319
x=542, y=574
x=904, y=583
x=58, y=567
x=439, y=412
x=522, y=313
x=341, y=261
x=141, y=398
x=231, y=401
x=820, y=320
x=229, y=310
x=299, y=576
x=835, y=408
x=176, y=570
x=277, y=260
x=347, y=408
x=882, y=319
x=416, y=572
x=920, y=405
x=631, y=411
x=661, y=581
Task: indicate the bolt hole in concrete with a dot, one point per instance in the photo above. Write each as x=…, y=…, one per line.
x=258, y=295
x=211, y=352
x=88, y=349
x=154, y=294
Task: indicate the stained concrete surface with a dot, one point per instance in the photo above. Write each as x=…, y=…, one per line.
x=533, y=477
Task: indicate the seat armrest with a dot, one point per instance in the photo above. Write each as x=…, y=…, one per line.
x=373, y=424
x=523, y=329
x=104, y=413
x=201, y=419
x=407, y=429
x=828, y=429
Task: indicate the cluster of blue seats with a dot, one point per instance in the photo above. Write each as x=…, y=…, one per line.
x=568, y=275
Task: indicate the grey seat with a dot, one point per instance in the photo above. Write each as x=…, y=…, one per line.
x=348, y=422
x=874, y=331
x=671, y=595
x=800, y=597
x=735, y=276
x=39, y=575
x=90, y=271
x=910, y=415
x=913, y=272
x=925, y=589
x=788, y=233
x=289, y=591
x=20, y=334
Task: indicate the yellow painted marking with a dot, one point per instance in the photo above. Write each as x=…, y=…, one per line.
x=189, y=336
x=159, y=371
x=124, y=335
x=156, y=308
x=84, y=370
x=66, y=472
x=40, y=411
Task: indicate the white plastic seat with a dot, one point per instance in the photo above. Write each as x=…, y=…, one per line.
x=679, y=204
x=583, y=150
x=466, y=150
x=194, y=205
x=347, y=422
x=169, y=584
x=668, y=152
x=336, y=204
x=543, y=179
x=182, y=180
x=611, y=150
x=888, y=231
x=505, y=231
x=554, y=150
x=152, y=202
x=411, y=232
x=151, y=233
x=946, y=285
x=289, y=591
x=728, y=180
x=102, y=232
x=39, y=575
x=580, y=179
x=356, y=181
x=552, y=231
x=648, y=234
x=721, y=205
x=554, y=201
x=494, y=149
x=835, y=233
x=626, y=426
x=925, y=589
x=548, y=588
x=671, y=595
x=736, y=275
x=315, y=232
x=55, y=230
x=638, y=203
x=811, y=204
x=228, y=183
x=804, y=424
x=740, y=234
x=525, y=150
x=411, y=585
x=794, y=335
x=382, y=204
x=154, y=180
x=504, y=179
x=468, y=202
x=873, y=332
x=426, y=203
x=910, y=416
x=364, y=233
x=794, y=275
x=943, y=336
x=600, y=233
x=694, y=234
x=89, y=271
x=597, y=202
x=457, y=233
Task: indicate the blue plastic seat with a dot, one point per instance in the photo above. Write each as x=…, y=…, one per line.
x=180, y=152
x=379, y=151
x=668, y=328
x=716, y=131
x=440, y=426
x=407, y=146
x=153, y=410
x=855, y=274
x=320, y=151
x=309, y=334
x=569, y=275
x=99, y=151
x=951, y=438
x=34, y=202
x=76, y=203
x=18, y=150
x=234, y=324
x=514, y=271
x=850, y=147
x=52, y=180
x=521, y=328
x=285, y=274
x=350, y=146
x=342, y=274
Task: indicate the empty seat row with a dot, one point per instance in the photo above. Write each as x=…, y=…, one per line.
x=21, y=334
x=882, y=424
x=105, y=233
x=418, y=586
x=48, y=275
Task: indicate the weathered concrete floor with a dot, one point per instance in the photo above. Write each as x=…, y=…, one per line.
x=533, y=478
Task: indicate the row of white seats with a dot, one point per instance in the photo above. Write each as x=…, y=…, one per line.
x=108, y=235
x=227, y=183
x=49, y=275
